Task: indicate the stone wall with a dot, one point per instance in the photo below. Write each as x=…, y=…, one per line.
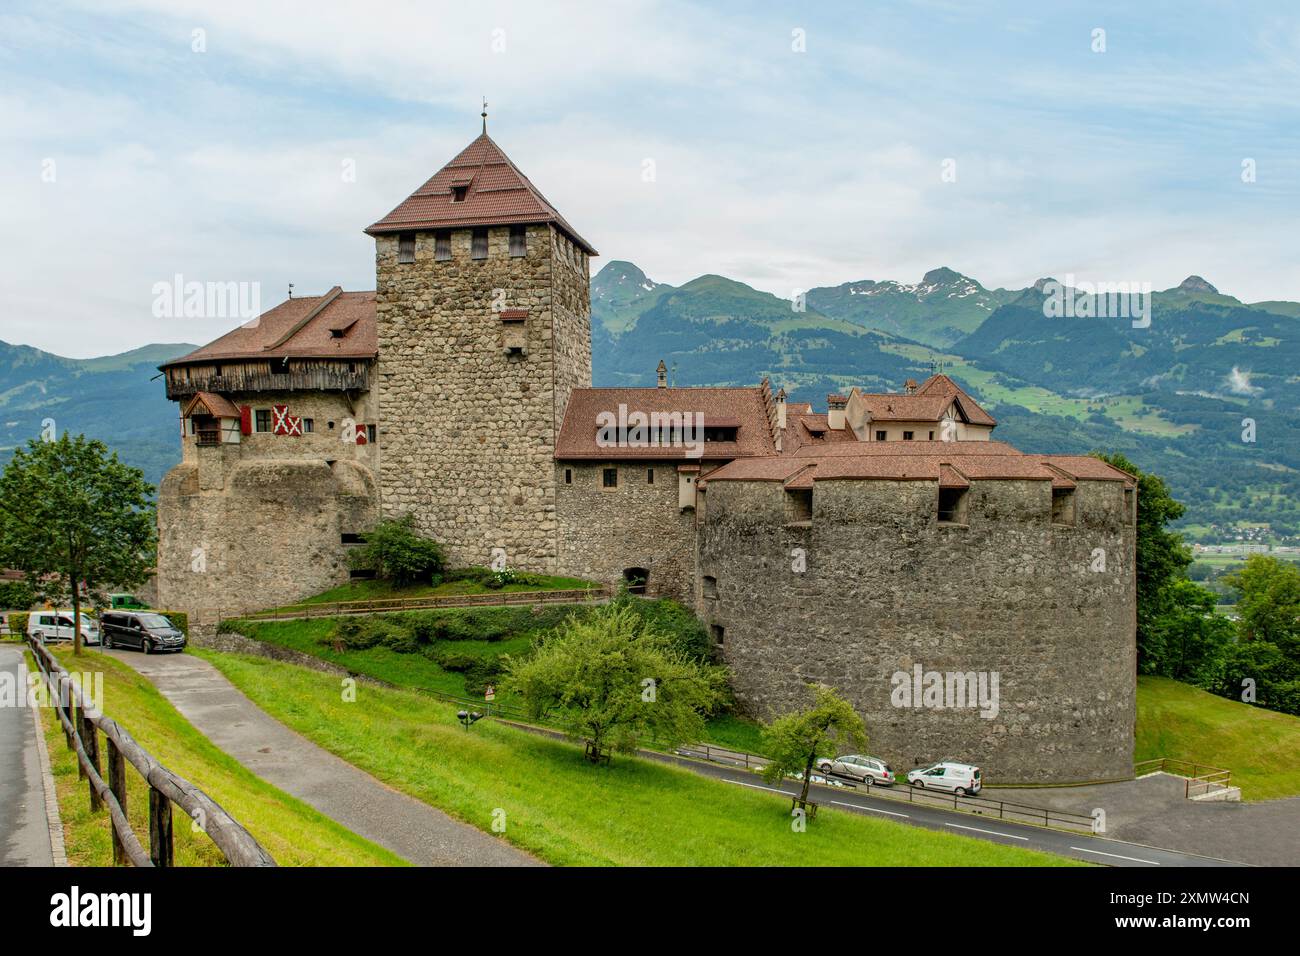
x=467, y=430
x=638, y=524
x=242, y=533
x=888, y=587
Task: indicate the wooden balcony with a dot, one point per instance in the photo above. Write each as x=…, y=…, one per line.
x=315, y=378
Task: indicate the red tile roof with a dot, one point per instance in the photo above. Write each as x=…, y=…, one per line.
x=216, y=405
x=927, y=404
x=742, y=408
x=498, y=194
x=300, y=328
x=952, y=464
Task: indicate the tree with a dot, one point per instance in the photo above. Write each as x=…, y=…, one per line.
x=17, y=595
x=1162, y=558
x=71, y=512
x=1268, y=600
x=793, y=742
x=614, y=680
x=1190, y=636
x=396, y=553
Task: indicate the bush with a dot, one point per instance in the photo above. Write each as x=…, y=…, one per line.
x=17, y=595
x=397, y=554
x=685, y=632
x=18, y=624
x=484, y=671
x=180, y=619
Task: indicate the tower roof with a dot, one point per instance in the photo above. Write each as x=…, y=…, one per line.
x=493, y=193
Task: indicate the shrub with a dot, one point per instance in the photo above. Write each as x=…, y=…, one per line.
x=17, y=595
x=684, y=631
x=397, y=554
x=483, y=671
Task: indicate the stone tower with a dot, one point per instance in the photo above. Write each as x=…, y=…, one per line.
x=483, y=310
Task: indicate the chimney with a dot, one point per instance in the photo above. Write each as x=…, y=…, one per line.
x=910, y=386
x=780, y=420
x=662, y=372
x=835, y=405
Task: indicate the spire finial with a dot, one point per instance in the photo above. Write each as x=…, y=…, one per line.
x=484, y=115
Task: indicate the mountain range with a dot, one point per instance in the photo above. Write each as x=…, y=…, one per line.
x=1178, y=396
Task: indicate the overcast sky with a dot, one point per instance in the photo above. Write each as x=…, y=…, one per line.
x=791, y=145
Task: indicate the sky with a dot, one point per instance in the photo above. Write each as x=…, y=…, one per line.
x=784, y=145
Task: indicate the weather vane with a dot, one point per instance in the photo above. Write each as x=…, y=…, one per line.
x=484, y=114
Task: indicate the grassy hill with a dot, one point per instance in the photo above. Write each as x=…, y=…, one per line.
x=1259, y=746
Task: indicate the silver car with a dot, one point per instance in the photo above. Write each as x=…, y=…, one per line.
x=870, y=770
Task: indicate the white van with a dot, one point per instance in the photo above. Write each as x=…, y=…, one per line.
x=50, y=626
x=958, y=778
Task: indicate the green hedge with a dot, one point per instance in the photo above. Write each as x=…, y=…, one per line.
x=17, y=624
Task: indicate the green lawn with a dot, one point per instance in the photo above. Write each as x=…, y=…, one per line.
x=419, y=672
x=1259, y=746
x=292, y=832
x=378, y=590
x=556, y=805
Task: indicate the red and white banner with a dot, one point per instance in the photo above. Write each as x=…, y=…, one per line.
x=283, y=423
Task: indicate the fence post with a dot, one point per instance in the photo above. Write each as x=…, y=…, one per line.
x=117, y=785
x=90, y=741
x=160, y=828
x=74, y=718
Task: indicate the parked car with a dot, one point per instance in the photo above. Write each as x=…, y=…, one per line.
x=143, y=630
x=126, y=602
x=871, y=770
x=958, y=778
x=51, y=626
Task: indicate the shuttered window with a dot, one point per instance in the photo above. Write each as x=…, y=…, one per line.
x=442, y=245
x=518, y=241
x=406, y=247
x=480, y=246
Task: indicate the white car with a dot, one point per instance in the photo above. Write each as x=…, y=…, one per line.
x=958, y=778
x=871, y=770
x=50, y=626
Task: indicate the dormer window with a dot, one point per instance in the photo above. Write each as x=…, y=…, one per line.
x=406, y=247
x=458, y=193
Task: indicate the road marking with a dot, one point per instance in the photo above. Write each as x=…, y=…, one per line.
x=1009, y=836
x=1131, y=859
x=871, y=809
x=754, y=786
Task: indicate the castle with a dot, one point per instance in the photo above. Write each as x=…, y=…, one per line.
x=890, y=535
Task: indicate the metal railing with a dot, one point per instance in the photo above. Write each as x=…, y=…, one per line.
x=1200, y=778
x=383, y=605
x=81, y=728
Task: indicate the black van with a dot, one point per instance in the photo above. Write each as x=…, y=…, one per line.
x=143, y=630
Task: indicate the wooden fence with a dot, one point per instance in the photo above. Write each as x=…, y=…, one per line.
x=1201, y=778
x=383, y=605
x=81, y=728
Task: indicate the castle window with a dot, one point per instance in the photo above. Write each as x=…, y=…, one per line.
x=262, y=420
x=649, y=476
x=717, y=633
x=907, y=436
x=372, y=433
x=1129, y=511
x=281, y=366
x=442, y=245
x=720, y=433
x=568, y=476
x=609, y=478
x=458, y=193
x=1062, y=506
x=406, y=247
x=931, y=436
x=518, y=241
x=710, y=586
x=351, y=537
x=799, y=505
x=308, y=425
x=952, y=505
x=881, y=435
x=362, y=574
x=479, y=247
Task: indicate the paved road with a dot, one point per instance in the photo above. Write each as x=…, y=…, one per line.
x=411, y=829
x=1080, y=846
x=24, y=828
